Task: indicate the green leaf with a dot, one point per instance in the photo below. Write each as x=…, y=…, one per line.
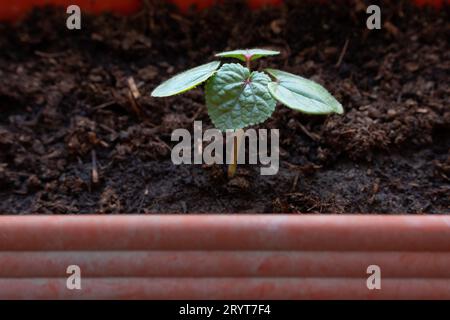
x=186, y=80
x=237, y=98
x=251, y=54
x=302, y=94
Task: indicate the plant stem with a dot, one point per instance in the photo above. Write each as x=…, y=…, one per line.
x=237, y=139
x=233, y=165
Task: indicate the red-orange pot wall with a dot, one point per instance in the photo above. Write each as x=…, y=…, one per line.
x=15, y=10
x=225, y=256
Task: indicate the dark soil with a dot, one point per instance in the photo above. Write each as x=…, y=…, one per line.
x=65, y=108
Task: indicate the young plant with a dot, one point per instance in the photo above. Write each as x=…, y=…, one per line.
x=237, y=97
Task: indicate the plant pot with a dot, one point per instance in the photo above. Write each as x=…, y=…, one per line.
x=225, y=257
x=18, y=9
x=220, y=256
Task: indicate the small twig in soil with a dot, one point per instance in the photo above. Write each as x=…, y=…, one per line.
x=341, y=56
x=197, y=113
x=307, y=168
x=163, y=143
x=392, y=29
x=133, y=88
x=295, y=182
x=141, y=202
x=94, y=173
x=49, y=55
x=106, y=128
x=133, y=95
x=313, y=136
x=104, y=105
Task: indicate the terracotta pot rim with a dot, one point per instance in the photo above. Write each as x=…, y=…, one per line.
x=225, y=256
x=16, y=11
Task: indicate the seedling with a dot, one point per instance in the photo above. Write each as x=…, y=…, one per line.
x=237, y=97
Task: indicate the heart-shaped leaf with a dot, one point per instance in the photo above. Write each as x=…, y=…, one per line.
x=302, y=94
x=186, y=80
x=247, y=54
x=237, y=98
